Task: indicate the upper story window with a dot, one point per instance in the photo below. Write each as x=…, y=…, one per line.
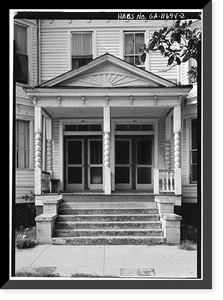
x=81, y=49
x=133, y=43
x=21, y=53
x=193, y=151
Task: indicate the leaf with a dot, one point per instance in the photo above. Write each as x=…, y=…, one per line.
x=143, y=57
x=186, y=57
x=178, y=60
x=155, y=34
x=170, y=60
x=161, y=48
x=178, y=37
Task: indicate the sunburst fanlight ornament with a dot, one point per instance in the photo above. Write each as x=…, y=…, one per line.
x=109, y=80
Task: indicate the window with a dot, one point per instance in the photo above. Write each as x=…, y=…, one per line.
x=22, y=144
x=133, y=43
x=193, y=151
x=21, y=56
x=134, y=127
x=81, y=49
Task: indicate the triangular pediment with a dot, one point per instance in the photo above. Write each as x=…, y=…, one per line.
x=108, y=71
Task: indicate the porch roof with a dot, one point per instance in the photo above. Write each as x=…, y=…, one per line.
x=108, y=80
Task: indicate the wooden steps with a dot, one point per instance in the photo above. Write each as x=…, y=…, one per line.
x=106, y=222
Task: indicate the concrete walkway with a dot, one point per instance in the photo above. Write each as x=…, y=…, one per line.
x=160, y=261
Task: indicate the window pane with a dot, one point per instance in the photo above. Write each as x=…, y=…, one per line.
x=139, y=42
x=134, y=127
x=121, y=127
x=144, y=153
x=129, y=43
x=96, y=175
x=95, y=127
x=70, y=127
x=74, y=175
x=77, y=44
x=122, y=152
x=143, y=175
x=21, y=160
x=194, y=173
x=130, y=59
x=96, y=152
x=194, y=157
x=194, y=133
x=146, y=127
x=74, y=152
x=122, y=175
x=87, y=48
x=20, y=37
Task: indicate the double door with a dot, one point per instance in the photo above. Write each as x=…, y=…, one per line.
x=84, y=165
x=134, y=163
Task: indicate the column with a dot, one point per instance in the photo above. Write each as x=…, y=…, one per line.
x=38, y=150
x=49, y=146
x=177, y=148
x=168, y=142
x=107, y=150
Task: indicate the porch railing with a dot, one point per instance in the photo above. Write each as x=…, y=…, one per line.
x=166, y=181
x=45, y=182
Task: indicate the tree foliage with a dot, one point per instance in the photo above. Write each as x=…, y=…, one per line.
x=178, y=42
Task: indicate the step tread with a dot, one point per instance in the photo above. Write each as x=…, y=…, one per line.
x=110, y=230
x=110, y=237
x=112, y=222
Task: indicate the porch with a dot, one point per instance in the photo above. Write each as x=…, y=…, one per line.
x=110, y=127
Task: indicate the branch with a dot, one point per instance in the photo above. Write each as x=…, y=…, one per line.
x=167, y=69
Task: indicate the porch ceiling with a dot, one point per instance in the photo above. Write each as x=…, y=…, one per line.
x=85, y=112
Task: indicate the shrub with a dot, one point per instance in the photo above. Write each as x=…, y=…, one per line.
x=187, y=245
x=188, y=232
x=25, y=243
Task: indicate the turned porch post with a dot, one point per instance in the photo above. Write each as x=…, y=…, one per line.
x=49, y=145
x=107, y=150
x=38, y=150
x=177, y=148
x=168, y=142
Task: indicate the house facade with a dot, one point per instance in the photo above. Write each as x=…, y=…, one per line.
x=92, y=118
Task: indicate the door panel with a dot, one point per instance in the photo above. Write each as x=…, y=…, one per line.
x=144, y=164
x=123, y=167
x=75, y=164
x=95, y=165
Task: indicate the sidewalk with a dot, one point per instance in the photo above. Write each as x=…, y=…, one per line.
x=160, y=261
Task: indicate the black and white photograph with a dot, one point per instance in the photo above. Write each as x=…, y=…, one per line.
x=107, y=113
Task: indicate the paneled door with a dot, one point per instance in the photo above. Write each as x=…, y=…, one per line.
x=123, y=164
x=75, y=164
x=143, y=167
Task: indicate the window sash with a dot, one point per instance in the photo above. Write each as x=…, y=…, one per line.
x=82, y=43
x=22, y=145
x=134, y=41
x=193, y=151
x=20, y=37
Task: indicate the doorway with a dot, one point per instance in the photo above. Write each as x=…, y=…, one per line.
x=134, y=163
x=83, y=163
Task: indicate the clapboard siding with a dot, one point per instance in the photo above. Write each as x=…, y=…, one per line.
x=108, y=41
x=34, y=54
x=56, y=150
x=158, y=66
x=24, y=183
x=54, y=53
x=189, y=193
